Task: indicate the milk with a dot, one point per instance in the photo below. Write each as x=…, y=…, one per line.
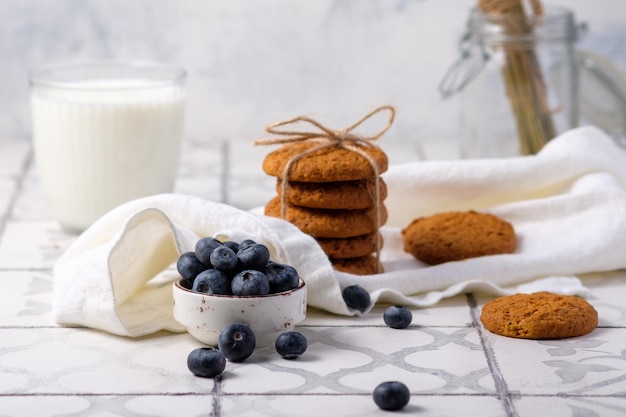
x=100, y=143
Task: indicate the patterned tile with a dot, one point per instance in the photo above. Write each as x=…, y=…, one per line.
x=594, y=364
x=355, y=360
x=354, y=405
x=607, y=296
x=572, y=406
x=107, y=405
x=32, y=244
x=81, y=361
x=453, y=311
x=27, y=298
x=31, y=203
x=428, y=360
x=451, y=365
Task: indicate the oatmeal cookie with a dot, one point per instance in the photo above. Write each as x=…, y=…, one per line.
x=326, y=165
x=351, y=247
x=540, y=315
x=363, y=265
x=455, y=236
x=351, y=195
x=321, y=223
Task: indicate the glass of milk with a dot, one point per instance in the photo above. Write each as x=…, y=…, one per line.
x=104, y=134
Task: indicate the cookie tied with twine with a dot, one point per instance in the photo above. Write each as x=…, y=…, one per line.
x=324, y=155
x=334, y=150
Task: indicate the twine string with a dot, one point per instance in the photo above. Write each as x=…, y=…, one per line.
x=328, y=138
x=324, y=133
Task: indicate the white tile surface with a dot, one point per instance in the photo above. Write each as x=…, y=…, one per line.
x=448, y=362
x=354, y=405
x=107, y=405
x=591, y=364
x=576, y=406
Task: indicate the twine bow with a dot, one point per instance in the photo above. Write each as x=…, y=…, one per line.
x=328, y=138
x=333, y=136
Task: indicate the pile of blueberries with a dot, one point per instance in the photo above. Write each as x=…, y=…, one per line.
x=240, y=269
x=245, y=269
x=231, y=268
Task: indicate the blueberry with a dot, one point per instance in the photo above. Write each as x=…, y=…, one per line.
x=237, y=342
x=204, y=247
x=397, y=317
x=233, y=245
x=206, y=362
x=212, y=281
x=250, y=282
x=253, y=256
x=281, y=277
x=356, y=297
x=189, y=266
x=291, y=344
x=391, y=395
x=224, y=259
x=246, y=242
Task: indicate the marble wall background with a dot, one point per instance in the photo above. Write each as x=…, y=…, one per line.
x=251, y=63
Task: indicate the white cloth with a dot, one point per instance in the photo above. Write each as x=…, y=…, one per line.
x=567, y=205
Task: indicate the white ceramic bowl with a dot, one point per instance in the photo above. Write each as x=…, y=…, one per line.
x=205, y=315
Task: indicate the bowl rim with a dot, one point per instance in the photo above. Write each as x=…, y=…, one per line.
x=301, y=285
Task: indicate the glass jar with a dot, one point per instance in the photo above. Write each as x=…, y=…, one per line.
x=519, y=81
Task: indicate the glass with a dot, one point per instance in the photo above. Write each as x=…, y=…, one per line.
x=519, y=78
x=105, y=133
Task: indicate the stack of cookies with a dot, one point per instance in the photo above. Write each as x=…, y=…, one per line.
x=330, y=194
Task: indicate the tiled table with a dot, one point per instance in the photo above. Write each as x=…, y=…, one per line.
x=452, y=366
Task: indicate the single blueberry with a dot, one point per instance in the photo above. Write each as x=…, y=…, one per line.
x=253, y=256
x=291, y=344
x=206, y=362
x=281, y=277
x=391, y=395
x=233, y=245
x=250, y=282
x=356, y=297
x=212, y=281
x=246, y=242
x=237, y=342
x=224, y=259
x=189, y=266
x=204, y=247
x=397, y=317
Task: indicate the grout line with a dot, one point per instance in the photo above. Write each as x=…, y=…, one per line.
x=288, y=394
x=19, y=185
x=410, y=326
x=502, y=390
x=216, y=395
x=351, y=394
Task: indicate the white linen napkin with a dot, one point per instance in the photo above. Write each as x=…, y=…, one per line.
x=567, y=205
